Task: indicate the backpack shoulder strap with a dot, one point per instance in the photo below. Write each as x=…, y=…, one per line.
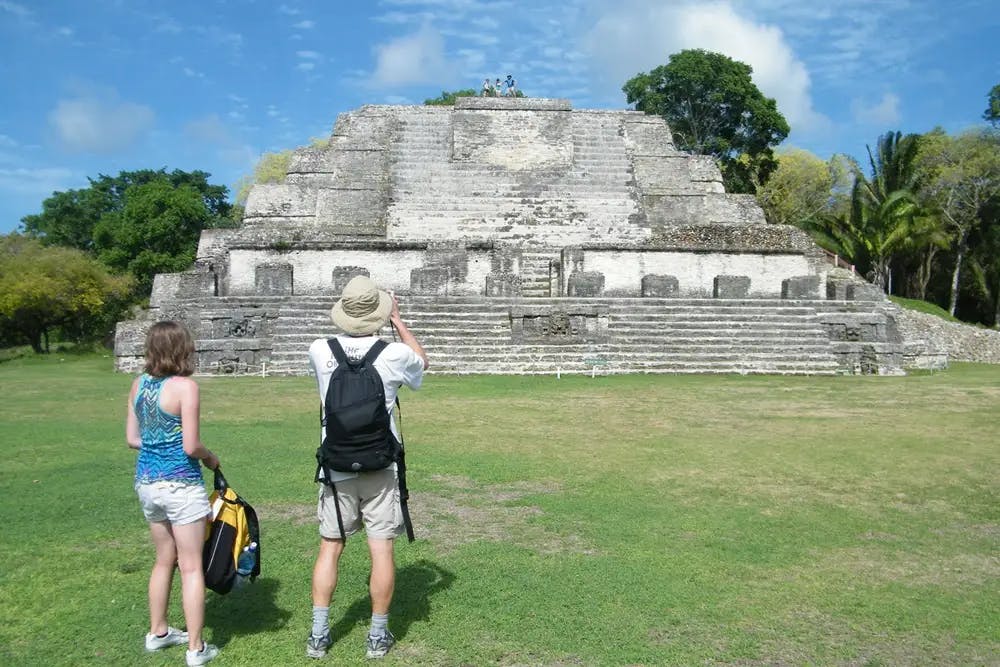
x=338, y=351
x=376, y=349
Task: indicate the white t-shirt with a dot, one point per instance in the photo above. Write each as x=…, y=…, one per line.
x=397, y=365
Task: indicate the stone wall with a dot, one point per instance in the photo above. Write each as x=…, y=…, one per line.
x=961, y=342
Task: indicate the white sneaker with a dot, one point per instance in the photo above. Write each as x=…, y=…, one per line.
x=172, y=638
x=207, y=653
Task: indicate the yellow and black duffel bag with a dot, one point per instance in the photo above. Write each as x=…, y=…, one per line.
x=233, y=532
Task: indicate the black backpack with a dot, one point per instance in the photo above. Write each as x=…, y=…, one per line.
x=358, y=433
x=358, y=436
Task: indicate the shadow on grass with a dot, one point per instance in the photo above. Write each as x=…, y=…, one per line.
x=415, y=585
x=246, y=611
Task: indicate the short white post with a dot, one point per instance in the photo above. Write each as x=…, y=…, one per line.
x=263, y=369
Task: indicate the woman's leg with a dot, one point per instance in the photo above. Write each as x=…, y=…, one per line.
x=162, y=575
x=190, y=539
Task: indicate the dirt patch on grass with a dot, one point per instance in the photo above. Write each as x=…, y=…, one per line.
x=875, y=565
x=808, y=636
x=296, y=513
x=461, y=511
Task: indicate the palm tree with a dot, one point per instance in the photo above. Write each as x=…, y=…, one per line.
x=882, y=216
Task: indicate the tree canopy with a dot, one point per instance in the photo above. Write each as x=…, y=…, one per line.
x=68, y=218
x=42, y=288
x=140, y=222
x=992, y=113
x=714, y=108
x=448, y=99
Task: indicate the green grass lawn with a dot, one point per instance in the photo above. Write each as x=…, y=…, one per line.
x=633, y=520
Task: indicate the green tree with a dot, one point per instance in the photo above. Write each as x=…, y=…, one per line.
x=884, y=208
x=448, y=99
x=271, y=168
x=962, y=180
x=68, y=218
x=714, y=108
x=43, y=288
x=992, y=113
x=804, y=190
x=156, y=231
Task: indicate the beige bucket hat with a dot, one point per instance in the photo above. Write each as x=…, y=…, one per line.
x=362, y=309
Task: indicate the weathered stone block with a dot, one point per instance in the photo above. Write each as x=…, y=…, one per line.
x=274, y=279
x=342, y=275
x=836, y=290
x=502, y=283
x=864, y=292
x=430, y=280
x=731, y=287
x=185, y=285
x=800, y=287
x=268, y=200
x=586, y=283
x=659, y=286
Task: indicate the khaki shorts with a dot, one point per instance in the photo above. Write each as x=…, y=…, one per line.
x=177, y=502
x=371, y=497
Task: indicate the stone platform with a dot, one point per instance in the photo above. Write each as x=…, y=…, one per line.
x=523, y=237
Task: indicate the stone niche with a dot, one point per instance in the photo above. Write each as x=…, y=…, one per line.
x=273, y=280
x=731, y=287
x=503, y=283
x=430, y=280
x=559, y=325
x=800, y=287
x=660, y=286
x=585, y=283
x=342, y=275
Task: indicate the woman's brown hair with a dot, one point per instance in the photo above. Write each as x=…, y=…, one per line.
x=169, y=350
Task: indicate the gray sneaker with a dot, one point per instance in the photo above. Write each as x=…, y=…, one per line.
x=316, y=647
x=207, y=653
x=378, y=645
x=173, y=637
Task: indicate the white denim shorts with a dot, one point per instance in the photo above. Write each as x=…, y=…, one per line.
x=176, y=502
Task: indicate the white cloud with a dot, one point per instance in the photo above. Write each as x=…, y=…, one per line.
x=636, y=35
x=65, y=31
x=309, y=55
x=285, y=9
x=15, y=8
x=304, y=25
x=883, y=112
x=36, y=181
x=413, y=59
x=193, y=73
x=305, y=67
x=97, y=121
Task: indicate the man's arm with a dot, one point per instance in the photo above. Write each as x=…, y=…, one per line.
x=405, y=335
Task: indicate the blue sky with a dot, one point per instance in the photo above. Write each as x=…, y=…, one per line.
x=107, y=85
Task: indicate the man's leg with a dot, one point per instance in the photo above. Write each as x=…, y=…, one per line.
x=381, y=586
x=383, y=578
x=324, y=582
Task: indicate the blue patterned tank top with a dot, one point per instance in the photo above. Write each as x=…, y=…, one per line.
x=161, y=457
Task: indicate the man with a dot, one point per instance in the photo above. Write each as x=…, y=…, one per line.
x=369, y=498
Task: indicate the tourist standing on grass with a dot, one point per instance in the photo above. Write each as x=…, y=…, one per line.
x=349, y=499
x=162, y=423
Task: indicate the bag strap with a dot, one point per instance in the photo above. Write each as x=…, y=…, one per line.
x=374, y=351
x=404, y=493
x=338, y=351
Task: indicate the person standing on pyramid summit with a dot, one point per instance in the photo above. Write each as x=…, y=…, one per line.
x=360, y=464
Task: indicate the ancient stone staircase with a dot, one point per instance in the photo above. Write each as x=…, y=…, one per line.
x=473, y=335
x=437, y=197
